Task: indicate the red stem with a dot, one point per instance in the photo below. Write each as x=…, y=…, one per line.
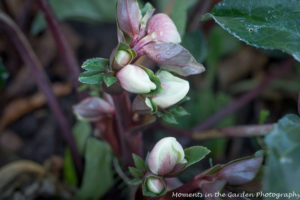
x=64, y=48
x=123, y=118
x=246, y=98
x=30, y=59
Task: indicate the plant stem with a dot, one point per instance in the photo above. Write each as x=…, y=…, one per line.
x=201, y=8
x=235, y=131
x=30, y=59
x=123, y=117
x=246, y=98
x=64, y=48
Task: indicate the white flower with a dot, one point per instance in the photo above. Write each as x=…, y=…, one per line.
x=134, y=79
x=155, y=184
x=166, y=156
x=174, y=89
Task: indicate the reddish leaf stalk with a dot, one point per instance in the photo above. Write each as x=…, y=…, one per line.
x=284, y=67
x=64, y=48
x=123, y=118
x=32, y=62
x=201, y=8
x=235, y=131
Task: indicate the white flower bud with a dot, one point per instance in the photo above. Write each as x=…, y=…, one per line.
x=134, y=79
x=122, y=58
x=163, y=29
x=155, y=185
x=166, y=156
x=174, y=89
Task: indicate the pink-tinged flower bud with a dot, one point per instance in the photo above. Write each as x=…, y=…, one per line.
x=134, y=79
x=163, y=29
x=122, y=58
x=93, y=109
x=174, y=89
x=155, y=185
x=166, y=156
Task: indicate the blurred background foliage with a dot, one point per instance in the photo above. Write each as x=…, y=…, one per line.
x=232, y=68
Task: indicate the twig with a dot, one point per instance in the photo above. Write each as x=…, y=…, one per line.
x=246, y=98
x=235, y=131
x=65, y=51
x=30, y=59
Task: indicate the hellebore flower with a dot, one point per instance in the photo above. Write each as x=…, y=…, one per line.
x=174, y=89
x=166, y=157
x=155, y=184
x=93, y=109
x=135, y=80
x=162, y=29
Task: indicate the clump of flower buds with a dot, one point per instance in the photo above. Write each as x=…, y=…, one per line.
x=166, y=157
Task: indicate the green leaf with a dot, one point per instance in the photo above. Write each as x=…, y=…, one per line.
x=81, y=131
x=98, y=174
x=196, y=44
x=263, y=24
x=3, y=74
x=283, y=159
x=194, y=154
x=263, y=115
x=95, y=64
x=168, y=117
x=139, y=162
x=91, y=77
x=91, y=11
x=178, y=111
x=109, y=80
x=135, y=182
x=69, y=174
x=147, y=7
x=136, y=173
x=155, y=80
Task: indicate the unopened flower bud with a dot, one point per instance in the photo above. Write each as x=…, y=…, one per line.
x=166, y=156
x=135, y=80
x=93, y=109
x=163, y=29
x=122, y=58
x=155, y=184
x=174, y=89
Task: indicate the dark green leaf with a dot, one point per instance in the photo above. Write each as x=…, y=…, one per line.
x=70, y=176
x=81, y=131
x=264, y=24
x=95, y=64
x=283, y=156
x=139, y=162
x=194, y=154
x=135, y=182
x=109, y=80
x=196, y=44
x=136, y=173
x=92, y=11
x=91, y=77
x=169, y=118
x=178, y=111
x=98, y=174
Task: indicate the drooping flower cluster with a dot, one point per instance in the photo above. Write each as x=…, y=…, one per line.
x=157, y=38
